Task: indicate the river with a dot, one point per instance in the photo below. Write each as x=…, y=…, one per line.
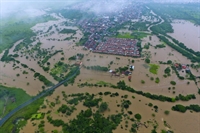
x=187, y=33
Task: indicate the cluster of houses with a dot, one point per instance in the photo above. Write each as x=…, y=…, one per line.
x=123, y=73
x=126, y=47
x=182, y=67
x=99, y=26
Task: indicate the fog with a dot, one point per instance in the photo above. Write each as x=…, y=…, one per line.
x=34, y=8
x=31, y=7
x=103, y=6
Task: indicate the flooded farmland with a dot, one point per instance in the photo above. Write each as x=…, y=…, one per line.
x=147, y=89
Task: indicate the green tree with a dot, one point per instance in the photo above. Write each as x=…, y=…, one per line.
x=138, y=116
x=147, y=60
x=103, y=107
x=166, y=112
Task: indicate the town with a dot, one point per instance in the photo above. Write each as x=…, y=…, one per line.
x=126, y=47
x=107, y=26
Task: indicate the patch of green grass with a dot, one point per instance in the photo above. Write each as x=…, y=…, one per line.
x=1, y=106
x=21, y=124
x=134, y=35
x=36, y=116
x=26, y=113
x=154, y=68
x=103, y=83
x=59, y=69
x=19, y=95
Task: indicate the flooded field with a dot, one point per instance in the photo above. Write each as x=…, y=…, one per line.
x=8, y=73
x=179, y=122
x=187, y=33
x=48, y=34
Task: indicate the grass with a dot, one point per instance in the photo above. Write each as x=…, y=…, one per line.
x=154, y=68
x=20, y=95
x=26, y=113
x=1, y=106
x=36, y=116
x=59, y=69
x=134, y=35
x=21, y=124
x=103, y=83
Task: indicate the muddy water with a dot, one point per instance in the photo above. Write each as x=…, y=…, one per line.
x=8, y=75
x=91, y=59
x=187, y=33
x=176, y=120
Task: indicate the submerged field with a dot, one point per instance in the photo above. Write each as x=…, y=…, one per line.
x=143, y=100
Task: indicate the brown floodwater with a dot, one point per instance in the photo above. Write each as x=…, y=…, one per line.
x=179, y=122
x=187, y=33
x=8, y=75
x=187, y=122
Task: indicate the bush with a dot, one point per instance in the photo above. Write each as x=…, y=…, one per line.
x=173, y=82
x=157, y=80
x=179, y=108
x=166, y=112
x=130, y=112
x=147, y=60
x=167, y=70
x=150, y=104
x=103, y=107
x=142, y=81
x=138, y=116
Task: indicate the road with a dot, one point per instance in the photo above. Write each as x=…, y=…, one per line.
x=5, y=118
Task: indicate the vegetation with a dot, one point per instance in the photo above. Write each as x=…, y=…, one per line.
x=160, y=46
x=166, y=112
x=142, y=26
x=98, y=68
x=11, y=98
x=157, y=80
x=177, y=11
x=167, y=70
x=66, y=109
x=185, y=53
x=138, y=116
x=17, y=29
x=103, y=107
x=121, y=85
x=154, y=68
x=73, y=71
x=25, y=113
x=134, y=35
x=43, y=79
x=98, y=122
x=68, y=31
x=173, y=82
x=147, y=60
x=45, y=60
x=84, y=39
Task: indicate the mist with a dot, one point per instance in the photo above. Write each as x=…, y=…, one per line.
x=31, y=8
x=34, y=8
x=103, y=6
